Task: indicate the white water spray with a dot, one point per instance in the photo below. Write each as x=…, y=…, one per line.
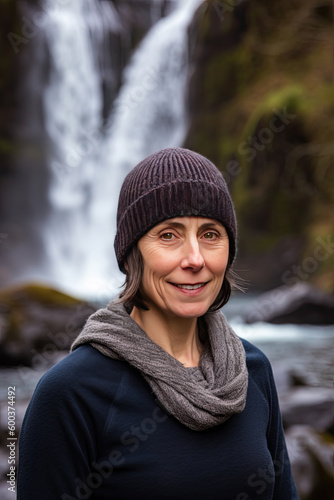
x=89, y=163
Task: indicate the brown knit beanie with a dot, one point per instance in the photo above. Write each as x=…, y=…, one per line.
x=173, y=182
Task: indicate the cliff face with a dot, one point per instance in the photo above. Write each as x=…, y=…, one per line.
x=23, y=177
x=261, y=105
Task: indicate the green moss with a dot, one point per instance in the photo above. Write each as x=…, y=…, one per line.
x=291, y=98
x=36, y=292
x=6, y=146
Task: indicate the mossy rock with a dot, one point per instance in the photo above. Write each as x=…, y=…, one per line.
x=36, y=318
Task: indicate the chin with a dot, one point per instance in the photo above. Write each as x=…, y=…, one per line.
x=192, y=312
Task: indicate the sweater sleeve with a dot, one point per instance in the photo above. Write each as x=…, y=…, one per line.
x=284, y=484
x=56, y=441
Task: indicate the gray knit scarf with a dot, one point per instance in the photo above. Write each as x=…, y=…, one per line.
x=199, y=397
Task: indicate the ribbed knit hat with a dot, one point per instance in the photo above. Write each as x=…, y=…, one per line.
x=173, y=182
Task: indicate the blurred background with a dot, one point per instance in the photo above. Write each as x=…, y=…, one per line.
x=88, y=88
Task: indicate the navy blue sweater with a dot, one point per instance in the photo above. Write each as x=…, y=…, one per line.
x=94, y=430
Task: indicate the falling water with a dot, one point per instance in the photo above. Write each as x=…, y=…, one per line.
x=89, y=161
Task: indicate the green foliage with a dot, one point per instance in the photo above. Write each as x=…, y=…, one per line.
x=36, y=292
x=256, y=62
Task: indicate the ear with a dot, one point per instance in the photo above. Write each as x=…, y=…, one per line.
x=126, y=267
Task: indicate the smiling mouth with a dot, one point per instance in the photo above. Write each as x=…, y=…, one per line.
x=190, y=287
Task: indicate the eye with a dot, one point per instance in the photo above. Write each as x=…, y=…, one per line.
x=167, y=236
x=210, y=235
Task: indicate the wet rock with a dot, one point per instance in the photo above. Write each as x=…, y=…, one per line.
x=312, y=406
x=282, y=375
x=311, y=455
x=288, y=377
x=299, y=304
x=36, y=321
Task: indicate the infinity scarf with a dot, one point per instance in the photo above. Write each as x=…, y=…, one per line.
x=199, y=397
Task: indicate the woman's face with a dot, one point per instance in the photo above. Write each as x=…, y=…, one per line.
x=185, y=259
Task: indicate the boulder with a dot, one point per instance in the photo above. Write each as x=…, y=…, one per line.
x=311, y=455
x=288, y=377
x=38, y=320
x=299, y=304
x=312, y=406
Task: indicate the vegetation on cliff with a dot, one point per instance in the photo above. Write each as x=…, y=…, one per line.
x=261, y=102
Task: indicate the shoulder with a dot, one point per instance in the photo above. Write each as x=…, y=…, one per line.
x=259, y=367
x=255, y=358
x=82, y=361
x=80, y=390
x=84, y=371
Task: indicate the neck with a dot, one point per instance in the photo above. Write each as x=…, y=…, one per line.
x=178, y=336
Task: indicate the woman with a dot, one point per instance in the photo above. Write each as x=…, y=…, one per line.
x=159, y=399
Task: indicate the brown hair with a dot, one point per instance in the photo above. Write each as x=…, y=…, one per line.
x=131, y=295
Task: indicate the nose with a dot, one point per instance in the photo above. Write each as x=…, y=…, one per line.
x=193, y=258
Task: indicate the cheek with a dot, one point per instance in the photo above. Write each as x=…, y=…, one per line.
x=221, y=268
x=158, y=262
x=155, y=269
x=218, y=264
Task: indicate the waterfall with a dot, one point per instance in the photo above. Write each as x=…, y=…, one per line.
x=88, y=160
